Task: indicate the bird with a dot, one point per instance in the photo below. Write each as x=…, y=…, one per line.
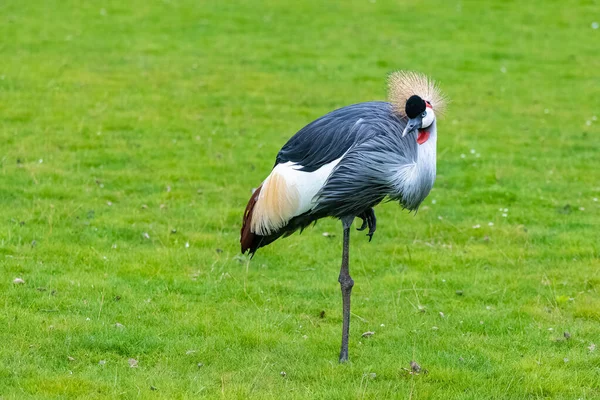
x=345, y=163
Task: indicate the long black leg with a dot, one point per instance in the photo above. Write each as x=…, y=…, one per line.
x=369, y=220
x=346, y=284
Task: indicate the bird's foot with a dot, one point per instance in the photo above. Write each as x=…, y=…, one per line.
x=369, y=220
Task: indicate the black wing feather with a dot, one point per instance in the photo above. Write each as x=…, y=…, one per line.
x=329, y=137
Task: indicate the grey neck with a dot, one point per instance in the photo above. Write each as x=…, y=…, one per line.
x=415, y=180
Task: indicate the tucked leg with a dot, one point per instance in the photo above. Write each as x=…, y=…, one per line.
x=346, y=284
x=369, y=220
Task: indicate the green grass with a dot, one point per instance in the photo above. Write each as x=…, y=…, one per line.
x=132, y=133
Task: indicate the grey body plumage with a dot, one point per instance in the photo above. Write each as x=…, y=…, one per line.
x=377, y=162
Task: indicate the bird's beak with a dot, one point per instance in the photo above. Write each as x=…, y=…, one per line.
x=412, y=125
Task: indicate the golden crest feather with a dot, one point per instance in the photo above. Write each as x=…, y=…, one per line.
x=403, y=84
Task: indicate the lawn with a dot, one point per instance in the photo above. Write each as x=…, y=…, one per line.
x=133, y=133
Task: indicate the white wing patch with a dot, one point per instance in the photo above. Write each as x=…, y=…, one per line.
x=286, y=193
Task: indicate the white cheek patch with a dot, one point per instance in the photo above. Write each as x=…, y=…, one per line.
x=429, y=117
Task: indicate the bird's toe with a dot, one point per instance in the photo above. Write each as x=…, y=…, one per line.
x=364, y=224
x=368, y=220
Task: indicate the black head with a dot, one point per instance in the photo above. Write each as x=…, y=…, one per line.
x=414, y=106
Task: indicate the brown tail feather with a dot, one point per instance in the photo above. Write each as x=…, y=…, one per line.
x=247, y=237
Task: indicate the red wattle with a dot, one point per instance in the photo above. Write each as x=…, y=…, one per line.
x=423, y=136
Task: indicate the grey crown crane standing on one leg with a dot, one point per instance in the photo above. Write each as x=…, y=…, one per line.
x=344, y=164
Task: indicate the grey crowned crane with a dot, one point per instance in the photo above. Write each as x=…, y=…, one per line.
x=344, y=164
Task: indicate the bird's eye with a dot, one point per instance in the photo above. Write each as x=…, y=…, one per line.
x=424, y=114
